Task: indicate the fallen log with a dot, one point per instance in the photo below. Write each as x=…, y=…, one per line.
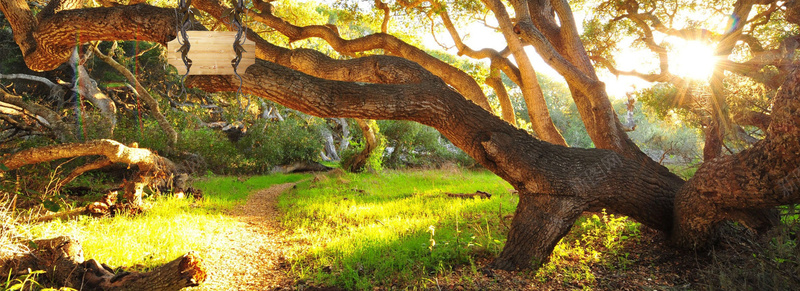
x=301, y=167
x=61, y=259
x=150, y=165
x=479, y=194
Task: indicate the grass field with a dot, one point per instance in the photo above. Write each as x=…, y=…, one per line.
x=401, y=229
x=169, y=227
x=394, y=229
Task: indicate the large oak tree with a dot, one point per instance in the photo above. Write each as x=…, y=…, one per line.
x=556, y=183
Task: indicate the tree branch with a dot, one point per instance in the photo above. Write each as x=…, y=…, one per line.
x=60, y=129
x=537, y=107
x=172, y=135
x=453, y=76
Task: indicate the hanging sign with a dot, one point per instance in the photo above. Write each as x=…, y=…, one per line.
x=211, y=53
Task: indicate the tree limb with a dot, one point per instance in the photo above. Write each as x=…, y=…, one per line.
x=172, y=135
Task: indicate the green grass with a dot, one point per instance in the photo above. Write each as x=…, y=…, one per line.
x=357, y=231
x=168, y=229
x=398, y=228
x=364, y=230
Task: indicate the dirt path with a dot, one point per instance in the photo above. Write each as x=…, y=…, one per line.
x=250, y=256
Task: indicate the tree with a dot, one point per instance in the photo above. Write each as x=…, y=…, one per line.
x=556, y=183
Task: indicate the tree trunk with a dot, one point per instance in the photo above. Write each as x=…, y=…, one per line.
x=542, y=220
x=748, y=185
x=534, y=99
x=358, y=162
x=62, y=260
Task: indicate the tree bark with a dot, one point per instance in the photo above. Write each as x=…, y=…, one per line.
x=453, y=76
x=150, y=165
x=358, y=163
x=62, y=260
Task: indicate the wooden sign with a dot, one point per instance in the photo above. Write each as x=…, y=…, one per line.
x=211, y=53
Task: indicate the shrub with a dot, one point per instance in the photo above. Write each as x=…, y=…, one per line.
x=221, y=156
x=417, y=145
x=270, y=144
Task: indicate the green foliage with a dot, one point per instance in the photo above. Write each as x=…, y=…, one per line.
x=665, y=138
x=415, y=145
x=278, y=143
x=393, y=227
x=265, y=145
x=12, y=60
x=213, y=146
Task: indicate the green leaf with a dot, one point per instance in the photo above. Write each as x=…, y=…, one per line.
x=3, y=167
x=51, y=205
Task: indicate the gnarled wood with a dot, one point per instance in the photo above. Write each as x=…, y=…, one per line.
x=62, y=260
x=61, y=130
x=150, y=164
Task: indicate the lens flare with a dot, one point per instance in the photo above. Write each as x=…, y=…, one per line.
x=692, y=59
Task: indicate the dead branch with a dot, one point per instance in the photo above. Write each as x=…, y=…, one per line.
x=479, y=194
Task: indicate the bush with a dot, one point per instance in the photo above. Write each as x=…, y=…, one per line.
x=221, y=156
x=416, y=145
x=747, y=262
x=270, y=144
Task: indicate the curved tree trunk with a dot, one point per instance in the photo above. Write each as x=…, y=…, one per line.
x=555, y=183
x=746, y=186
x=358, y=163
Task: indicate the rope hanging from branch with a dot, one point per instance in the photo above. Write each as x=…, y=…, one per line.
x=184, y=22
x=236, y=21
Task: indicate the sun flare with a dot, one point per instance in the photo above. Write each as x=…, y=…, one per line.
x=692, y=59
